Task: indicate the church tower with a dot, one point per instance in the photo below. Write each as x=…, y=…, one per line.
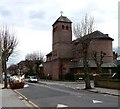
x=62, y=38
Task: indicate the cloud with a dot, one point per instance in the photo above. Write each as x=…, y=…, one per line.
x=5, y=12
x=33, y=19
x=40, y=14
x=34, y=40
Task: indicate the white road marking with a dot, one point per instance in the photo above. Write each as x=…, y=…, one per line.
x=21, y=98
x=96, y=101
x=77, y=88
x=61, y=106
x=26, y=85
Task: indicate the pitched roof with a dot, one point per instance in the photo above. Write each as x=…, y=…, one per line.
x=49, y=54
x=99, y=35
x=95, y=35
x=62, y=19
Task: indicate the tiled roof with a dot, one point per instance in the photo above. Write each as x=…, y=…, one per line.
x=95, y=35
x=62, y=19
x=99, y=35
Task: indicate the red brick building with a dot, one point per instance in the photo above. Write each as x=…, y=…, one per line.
x=66, y=55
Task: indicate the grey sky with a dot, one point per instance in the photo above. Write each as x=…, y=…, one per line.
x=32, y=20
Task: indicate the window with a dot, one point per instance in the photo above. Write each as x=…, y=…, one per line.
x=66, y=27
x=63, y=27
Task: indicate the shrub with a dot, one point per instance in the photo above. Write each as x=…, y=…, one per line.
x=69, y=76
x=79, y=75
x=108, y=84
x=104, y=76
x=118, y=72
x=82, y=75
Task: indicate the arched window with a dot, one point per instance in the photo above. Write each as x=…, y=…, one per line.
x=63, y=27
x=66, y=27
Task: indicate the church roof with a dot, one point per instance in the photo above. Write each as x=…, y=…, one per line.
x=95, y=35
x=62, y=19
x=99, y=35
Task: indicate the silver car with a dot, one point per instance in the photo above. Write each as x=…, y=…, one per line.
x=32, y=79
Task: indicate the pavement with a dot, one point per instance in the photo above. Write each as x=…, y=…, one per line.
x=11, y=98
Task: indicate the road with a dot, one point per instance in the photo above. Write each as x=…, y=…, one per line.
x=54, y=95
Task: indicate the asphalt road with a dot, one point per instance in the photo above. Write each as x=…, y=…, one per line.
x=60, y=96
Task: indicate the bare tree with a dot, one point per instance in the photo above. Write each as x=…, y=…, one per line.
x=82, y=31
x=98, y=58
x=37, y=58
x=86, y=26
x=9, y=42
x=13, y=69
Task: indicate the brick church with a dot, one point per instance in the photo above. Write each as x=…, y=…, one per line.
x=66, y=55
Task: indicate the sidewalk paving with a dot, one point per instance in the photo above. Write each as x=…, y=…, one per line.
x=11, y=99
x=106, y=91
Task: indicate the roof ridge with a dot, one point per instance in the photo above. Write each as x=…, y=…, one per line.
x=96, y=35
x=62, y=19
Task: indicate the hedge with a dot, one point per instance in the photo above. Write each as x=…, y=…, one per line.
x=112, y=84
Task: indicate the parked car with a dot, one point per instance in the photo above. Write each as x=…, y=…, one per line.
x=32, y=79
x=79, y=79
x=27, y=78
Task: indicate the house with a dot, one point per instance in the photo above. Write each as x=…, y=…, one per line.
x=66, y=55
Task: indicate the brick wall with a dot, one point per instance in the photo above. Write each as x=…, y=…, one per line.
x=55, y=69
x=62, y=51
x=97, y=45
x=104, y=45
x=62, y=40
x=62, y=35
x=47, y=68
x=66, y=64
